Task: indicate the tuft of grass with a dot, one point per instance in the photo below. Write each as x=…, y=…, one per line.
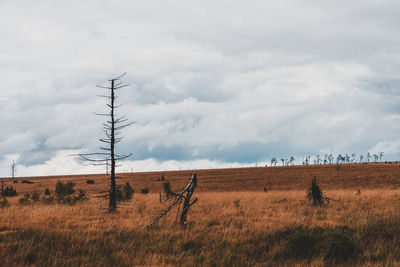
x=236, y=203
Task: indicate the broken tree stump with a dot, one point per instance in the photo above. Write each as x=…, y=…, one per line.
x=185, y=195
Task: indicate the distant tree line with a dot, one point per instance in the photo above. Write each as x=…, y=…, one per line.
x=329, y=159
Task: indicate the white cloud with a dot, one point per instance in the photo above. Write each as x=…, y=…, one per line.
x=209, y=79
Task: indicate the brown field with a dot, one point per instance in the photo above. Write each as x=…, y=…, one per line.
x=349, y=176
x=254, y=232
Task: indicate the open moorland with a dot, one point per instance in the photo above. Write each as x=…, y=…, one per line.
x=243, y=217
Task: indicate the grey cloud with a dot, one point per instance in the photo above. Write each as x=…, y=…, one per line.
x=227, y=81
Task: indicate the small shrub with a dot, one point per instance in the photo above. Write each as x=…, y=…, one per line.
x=81, y=196
x=123, y=193
x=47, y=199
x=90, y=181
x=47, y=192
x=265, y=189
x=35, y=196
x=127, y=191
x=25, y=200
x=64, y=190
x=15, y=181
x=4, y=202
x=338, y=246
x=26, y=182
x=236, y=202
x=144, y=191
x=10, y=191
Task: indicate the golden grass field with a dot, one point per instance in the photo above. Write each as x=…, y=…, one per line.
x=256, y=231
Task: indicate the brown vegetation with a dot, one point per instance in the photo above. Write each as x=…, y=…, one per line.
x=246, y=227
x=350, y=176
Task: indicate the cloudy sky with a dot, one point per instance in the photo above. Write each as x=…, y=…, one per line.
x=212, y=83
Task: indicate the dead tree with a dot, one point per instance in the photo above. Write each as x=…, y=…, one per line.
x=112, y=131
x=185, y=195
x=315, y=194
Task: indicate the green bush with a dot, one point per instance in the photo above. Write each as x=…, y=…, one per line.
x=123, y=193
x=48, y=199
x=15, y=181
x=127, y=191
x=90, y=181
x=144, y=190
x=25, y=200
x=47, y=192
x=64, y=190
x=35, y=196
x=81, y=196
x=10, y=191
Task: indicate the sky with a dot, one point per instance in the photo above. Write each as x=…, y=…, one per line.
x=212, y=84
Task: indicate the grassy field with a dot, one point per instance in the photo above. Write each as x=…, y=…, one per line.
x=236, y=224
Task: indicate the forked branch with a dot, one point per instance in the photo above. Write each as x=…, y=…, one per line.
x=185, y=195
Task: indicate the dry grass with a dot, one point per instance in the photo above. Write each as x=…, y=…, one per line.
x=274, y=210
x=234, y=223
x=216, y=225
x=349, y=176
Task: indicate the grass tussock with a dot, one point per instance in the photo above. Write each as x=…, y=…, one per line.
x=278, y=228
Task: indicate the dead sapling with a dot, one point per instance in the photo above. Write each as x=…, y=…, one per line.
x=185, y=194
x=315, y=194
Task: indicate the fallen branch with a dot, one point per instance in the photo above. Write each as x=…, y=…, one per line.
x=185, y=194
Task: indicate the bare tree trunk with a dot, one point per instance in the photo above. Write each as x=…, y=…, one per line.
x=113, y=205
x=186, y=203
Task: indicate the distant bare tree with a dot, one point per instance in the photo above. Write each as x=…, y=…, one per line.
x=380, y=156
x=347, y=158
x=318, y=159
x=353, y=158
x=307, y=160
x=368, y=156
x=292, y=159
x=112, y=130
x=376, y=157
x=361, y=159
x=283, y=162
x=330, y=158
x=340, y=159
